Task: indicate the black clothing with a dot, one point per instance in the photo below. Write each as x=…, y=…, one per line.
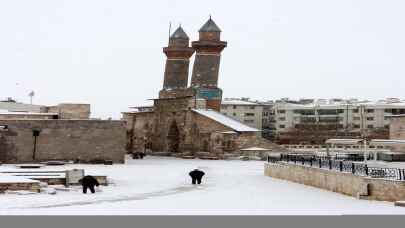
x=196, y=176
x=88, y=182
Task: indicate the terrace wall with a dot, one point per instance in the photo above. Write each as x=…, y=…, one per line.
x=345, y=183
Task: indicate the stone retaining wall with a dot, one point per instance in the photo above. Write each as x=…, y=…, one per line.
x=31, y=186
x=345, y=183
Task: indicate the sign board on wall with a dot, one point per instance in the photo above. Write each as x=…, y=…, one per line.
x=209, y=94
x=73, y=176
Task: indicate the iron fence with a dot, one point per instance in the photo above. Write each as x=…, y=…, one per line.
x=330, y=163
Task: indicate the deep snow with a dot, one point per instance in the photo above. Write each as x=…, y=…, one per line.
x=161, y=186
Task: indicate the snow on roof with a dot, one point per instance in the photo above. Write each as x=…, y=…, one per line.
x=228, y=132
x=6, y=112
x=225, y=120
x=15, y=179
x=344, y=141
x=323, y=103
x=382, y=142
x=238, y=102
x=255, y=149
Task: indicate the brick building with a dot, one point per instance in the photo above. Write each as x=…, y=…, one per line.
x=185, y=120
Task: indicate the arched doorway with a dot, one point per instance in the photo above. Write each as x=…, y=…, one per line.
x=173, y=138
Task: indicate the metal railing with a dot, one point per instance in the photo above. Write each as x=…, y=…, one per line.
x=344, y=166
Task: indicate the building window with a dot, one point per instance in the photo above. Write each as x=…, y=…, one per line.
x=252, y=107
x=386, y=117
x=281, y=118
x=249, y=114
x=370, y=110
x=304, y=111
x=281, y=111
x=370, y=126
x=234, y=106
x=356, y=110
x=248, y=121
x=356, y=118
x=386, y=126
x=356, y=126
x=281, y=126
x=370, y=118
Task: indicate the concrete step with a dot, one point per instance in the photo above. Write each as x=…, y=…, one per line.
x=200, y=154
x=209, y=157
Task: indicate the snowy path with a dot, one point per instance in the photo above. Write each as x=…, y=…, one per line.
x=161, y=186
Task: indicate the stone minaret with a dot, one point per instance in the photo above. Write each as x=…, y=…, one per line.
x=206, y=65
x=178, y=54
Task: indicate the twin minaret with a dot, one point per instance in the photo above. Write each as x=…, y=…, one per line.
x=204, y=80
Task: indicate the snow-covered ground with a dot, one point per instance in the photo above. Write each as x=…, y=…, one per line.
x=161, y=186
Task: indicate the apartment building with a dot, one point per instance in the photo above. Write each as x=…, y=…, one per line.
x=244, y=110
x=312, y=121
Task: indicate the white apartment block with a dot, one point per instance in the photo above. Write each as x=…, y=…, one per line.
x=243, y=110
x=350, y=115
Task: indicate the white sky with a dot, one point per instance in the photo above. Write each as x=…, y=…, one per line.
x=108, y=53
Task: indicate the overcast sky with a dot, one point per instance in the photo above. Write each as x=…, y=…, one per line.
x=109, y=53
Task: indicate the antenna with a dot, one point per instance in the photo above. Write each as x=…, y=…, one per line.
x=170, y=27
x=31, y=95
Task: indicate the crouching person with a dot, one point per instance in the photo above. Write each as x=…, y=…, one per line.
x=88, y=182
x=196, y=176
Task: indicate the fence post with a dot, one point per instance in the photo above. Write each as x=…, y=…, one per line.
x=303, y=160
x=366, y=169
x=330, y=164
x=341, y=166
x=353, y=170
x=268, y=159
x=281, y=157
x=320, y=163
x=311, y=162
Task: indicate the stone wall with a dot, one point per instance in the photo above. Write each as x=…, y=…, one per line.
x=28, y=186
x=85, y=140
x=397, y=131
x=345, y=183
x=45, y=116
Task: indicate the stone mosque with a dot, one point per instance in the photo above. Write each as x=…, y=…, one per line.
x=184, y=120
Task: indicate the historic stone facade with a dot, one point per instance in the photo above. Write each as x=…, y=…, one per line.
x=40, y=140
x=184, y=121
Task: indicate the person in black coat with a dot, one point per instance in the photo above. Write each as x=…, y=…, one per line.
x=196, y=176
x=88, y=182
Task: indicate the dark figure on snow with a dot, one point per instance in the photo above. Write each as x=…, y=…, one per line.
x=138, y=155
x=88, y=182
x=196, y=176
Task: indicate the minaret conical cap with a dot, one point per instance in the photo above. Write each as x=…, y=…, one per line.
x=210, y=26
x=179, y=34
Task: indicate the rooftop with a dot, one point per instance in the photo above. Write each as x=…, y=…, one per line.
x=238, y=102
x=225, y=120
x=351, y=103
